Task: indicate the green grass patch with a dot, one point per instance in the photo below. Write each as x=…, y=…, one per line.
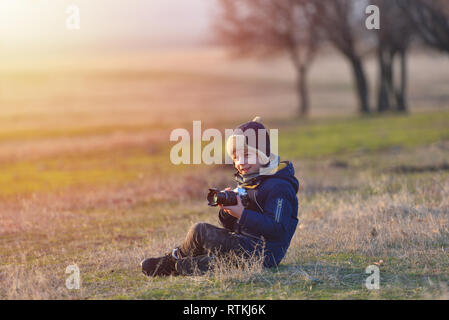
x=36, y=134
x=81, y=170
x=309, y=140
x=363, y=134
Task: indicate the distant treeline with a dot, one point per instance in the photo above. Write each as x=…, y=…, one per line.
x=301, y=27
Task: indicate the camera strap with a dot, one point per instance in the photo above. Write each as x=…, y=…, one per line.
x=252, y=195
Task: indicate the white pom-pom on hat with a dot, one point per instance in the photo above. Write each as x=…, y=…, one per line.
x=257, y=119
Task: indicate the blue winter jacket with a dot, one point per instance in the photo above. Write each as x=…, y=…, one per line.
x=271, y=222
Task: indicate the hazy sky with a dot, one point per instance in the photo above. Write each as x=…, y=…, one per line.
x=42, y=23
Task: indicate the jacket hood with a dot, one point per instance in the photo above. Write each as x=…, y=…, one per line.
x=287, y=172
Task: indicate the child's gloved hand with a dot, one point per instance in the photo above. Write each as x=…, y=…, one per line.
x=235, y=211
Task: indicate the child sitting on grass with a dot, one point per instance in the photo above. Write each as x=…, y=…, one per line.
x=264, y=228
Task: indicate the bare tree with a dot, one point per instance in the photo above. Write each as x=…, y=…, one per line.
x=269, y=27
x=342, y=24
x=431, y=20
x=393, y=41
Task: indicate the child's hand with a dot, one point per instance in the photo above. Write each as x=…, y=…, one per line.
x=235, y=211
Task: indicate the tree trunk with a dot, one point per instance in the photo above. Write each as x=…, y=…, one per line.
x=389, y=78
x=361, y=84
x=303, y=91
x=401, y=93
x=383, y=101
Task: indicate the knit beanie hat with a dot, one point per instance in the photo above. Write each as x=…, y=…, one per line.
x=253, y=137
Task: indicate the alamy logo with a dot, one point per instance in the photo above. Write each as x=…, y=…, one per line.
x=373, y=281
x=73, y=281
x=212, y=153
x=73, y=19
x=373, y=21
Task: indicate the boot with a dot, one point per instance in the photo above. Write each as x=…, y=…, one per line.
x=162, y=266
x=191, y=266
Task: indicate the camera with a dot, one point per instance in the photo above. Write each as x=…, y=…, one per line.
x=227, y=198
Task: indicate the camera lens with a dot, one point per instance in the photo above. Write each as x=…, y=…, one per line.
x=226, y=198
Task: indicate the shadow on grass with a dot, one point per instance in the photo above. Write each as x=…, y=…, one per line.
x=299, y=282
x=342, y=278
x=407, y=169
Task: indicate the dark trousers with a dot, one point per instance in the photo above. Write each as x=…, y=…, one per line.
x=202, y=243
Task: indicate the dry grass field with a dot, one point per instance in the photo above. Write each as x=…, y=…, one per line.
x=85, y=177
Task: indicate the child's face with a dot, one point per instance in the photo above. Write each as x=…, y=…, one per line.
x=246, y=162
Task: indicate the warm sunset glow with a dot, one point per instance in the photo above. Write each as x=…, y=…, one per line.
x=42, y=24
